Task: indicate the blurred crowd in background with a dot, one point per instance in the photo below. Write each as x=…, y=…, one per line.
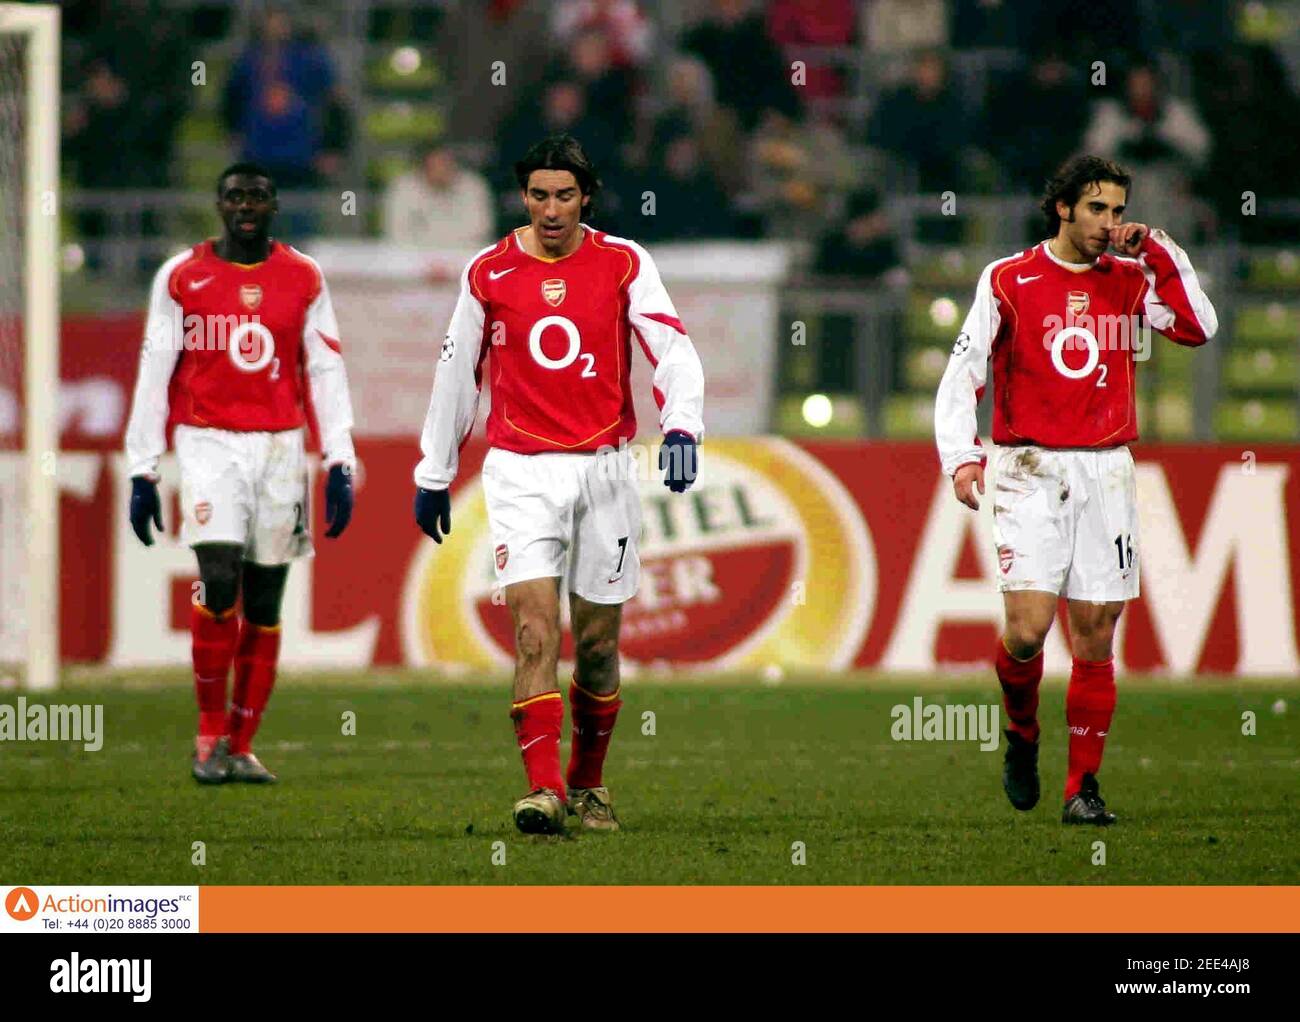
x=895, y=146
x=707, y=109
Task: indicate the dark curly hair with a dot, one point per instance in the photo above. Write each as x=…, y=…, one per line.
x=561, y=152
x=249, y=169
x=1071, y=178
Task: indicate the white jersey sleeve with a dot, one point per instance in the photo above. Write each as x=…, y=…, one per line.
x=1174, y=302
x=678, y=372
x=456, y=386
x=328, y=380
x=146, y=430
x=955, y=427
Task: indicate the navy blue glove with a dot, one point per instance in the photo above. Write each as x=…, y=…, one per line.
x=677, y=460
x=433, y=510
x=145, y=506
x=338, y=500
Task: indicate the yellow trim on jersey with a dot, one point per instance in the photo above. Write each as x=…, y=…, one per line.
x=546, y=259
x=244, y=266
x=536, y=699
x=557, y=443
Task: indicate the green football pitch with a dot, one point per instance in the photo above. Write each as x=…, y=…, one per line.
x=724, y=780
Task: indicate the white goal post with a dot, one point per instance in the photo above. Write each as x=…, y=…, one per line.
x=35, y=28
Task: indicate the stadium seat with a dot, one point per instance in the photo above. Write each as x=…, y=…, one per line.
x=403, y=122
x=923, y=366
x=396, y=73
x=909, y=416
x=848, y=417
x=1261, y=370
x=1256, y=419
x=1173, y=419
x=1273, y=324
x=1275, y=270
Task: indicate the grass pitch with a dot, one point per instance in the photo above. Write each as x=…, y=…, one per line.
x=733, y=775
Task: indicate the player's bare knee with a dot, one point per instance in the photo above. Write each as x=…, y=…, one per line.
x=1025, y=635
x=536, y=638
x=1092, y=629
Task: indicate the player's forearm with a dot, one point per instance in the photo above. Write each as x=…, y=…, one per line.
x=1178, y=288
x=329, y=387
x=146, y=430
x=956, y=426
x=146, y=439
x=446, y=428
x=681, y=381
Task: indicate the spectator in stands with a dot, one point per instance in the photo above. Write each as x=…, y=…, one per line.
x=138, y=44
x=749, y=72
x=607, y=89
x=693, y=110
x=621, y=22
x=1026, y=129
x=100, y=127
x=796, y=25
x=283, y=106
x=563, y=108
x=688, y=202
x=1160, y=139
x=800, y=170
x=922, y=123
x=439, y=204
x=1258, y=152
x=864, y=247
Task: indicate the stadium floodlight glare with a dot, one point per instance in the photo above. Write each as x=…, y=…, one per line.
x=944, y=312
x=818, y=410
x=29, y=333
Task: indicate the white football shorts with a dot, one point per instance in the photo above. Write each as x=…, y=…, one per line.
x=555, y=511
x=1065, y=521
x=246, y=488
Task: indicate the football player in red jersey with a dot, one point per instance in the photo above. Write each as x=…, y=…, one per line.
x=551, y=313
x=240, y=335
x=1062, y=324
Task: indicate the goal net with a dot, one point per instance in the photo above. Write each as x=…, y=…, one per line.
x=29, y=106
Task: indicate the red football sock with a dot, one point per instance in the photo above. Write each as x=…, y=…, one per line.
x=1019, y=680
x=537, y=726
x=593, y=723
x=259, y=651
x=212, y=648
x=1089, y=705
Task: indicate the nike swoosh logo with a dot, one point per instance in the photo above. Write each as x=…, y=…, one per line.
x=498, y=274
x=1026, y=280
x=610, y=731
x=532, y=743
x=196, y=284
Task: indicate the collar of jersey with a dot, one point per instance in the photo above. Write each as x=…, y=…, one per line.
x=542, y=259
x=212, y=246
x=1072, y=267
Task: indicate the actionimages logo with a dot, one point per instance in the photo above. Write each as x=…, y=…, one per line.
x=21, y=903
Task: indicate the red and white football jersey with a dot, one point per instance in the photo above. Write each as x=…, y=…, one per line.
x=555, y=338
x=239, y=347
x=1062, y=339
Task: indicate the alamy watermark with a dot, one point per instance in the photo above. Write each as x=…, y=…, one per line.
x=946, y=722
x=637, y=462
x=58, y=722
x=1093, y=335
